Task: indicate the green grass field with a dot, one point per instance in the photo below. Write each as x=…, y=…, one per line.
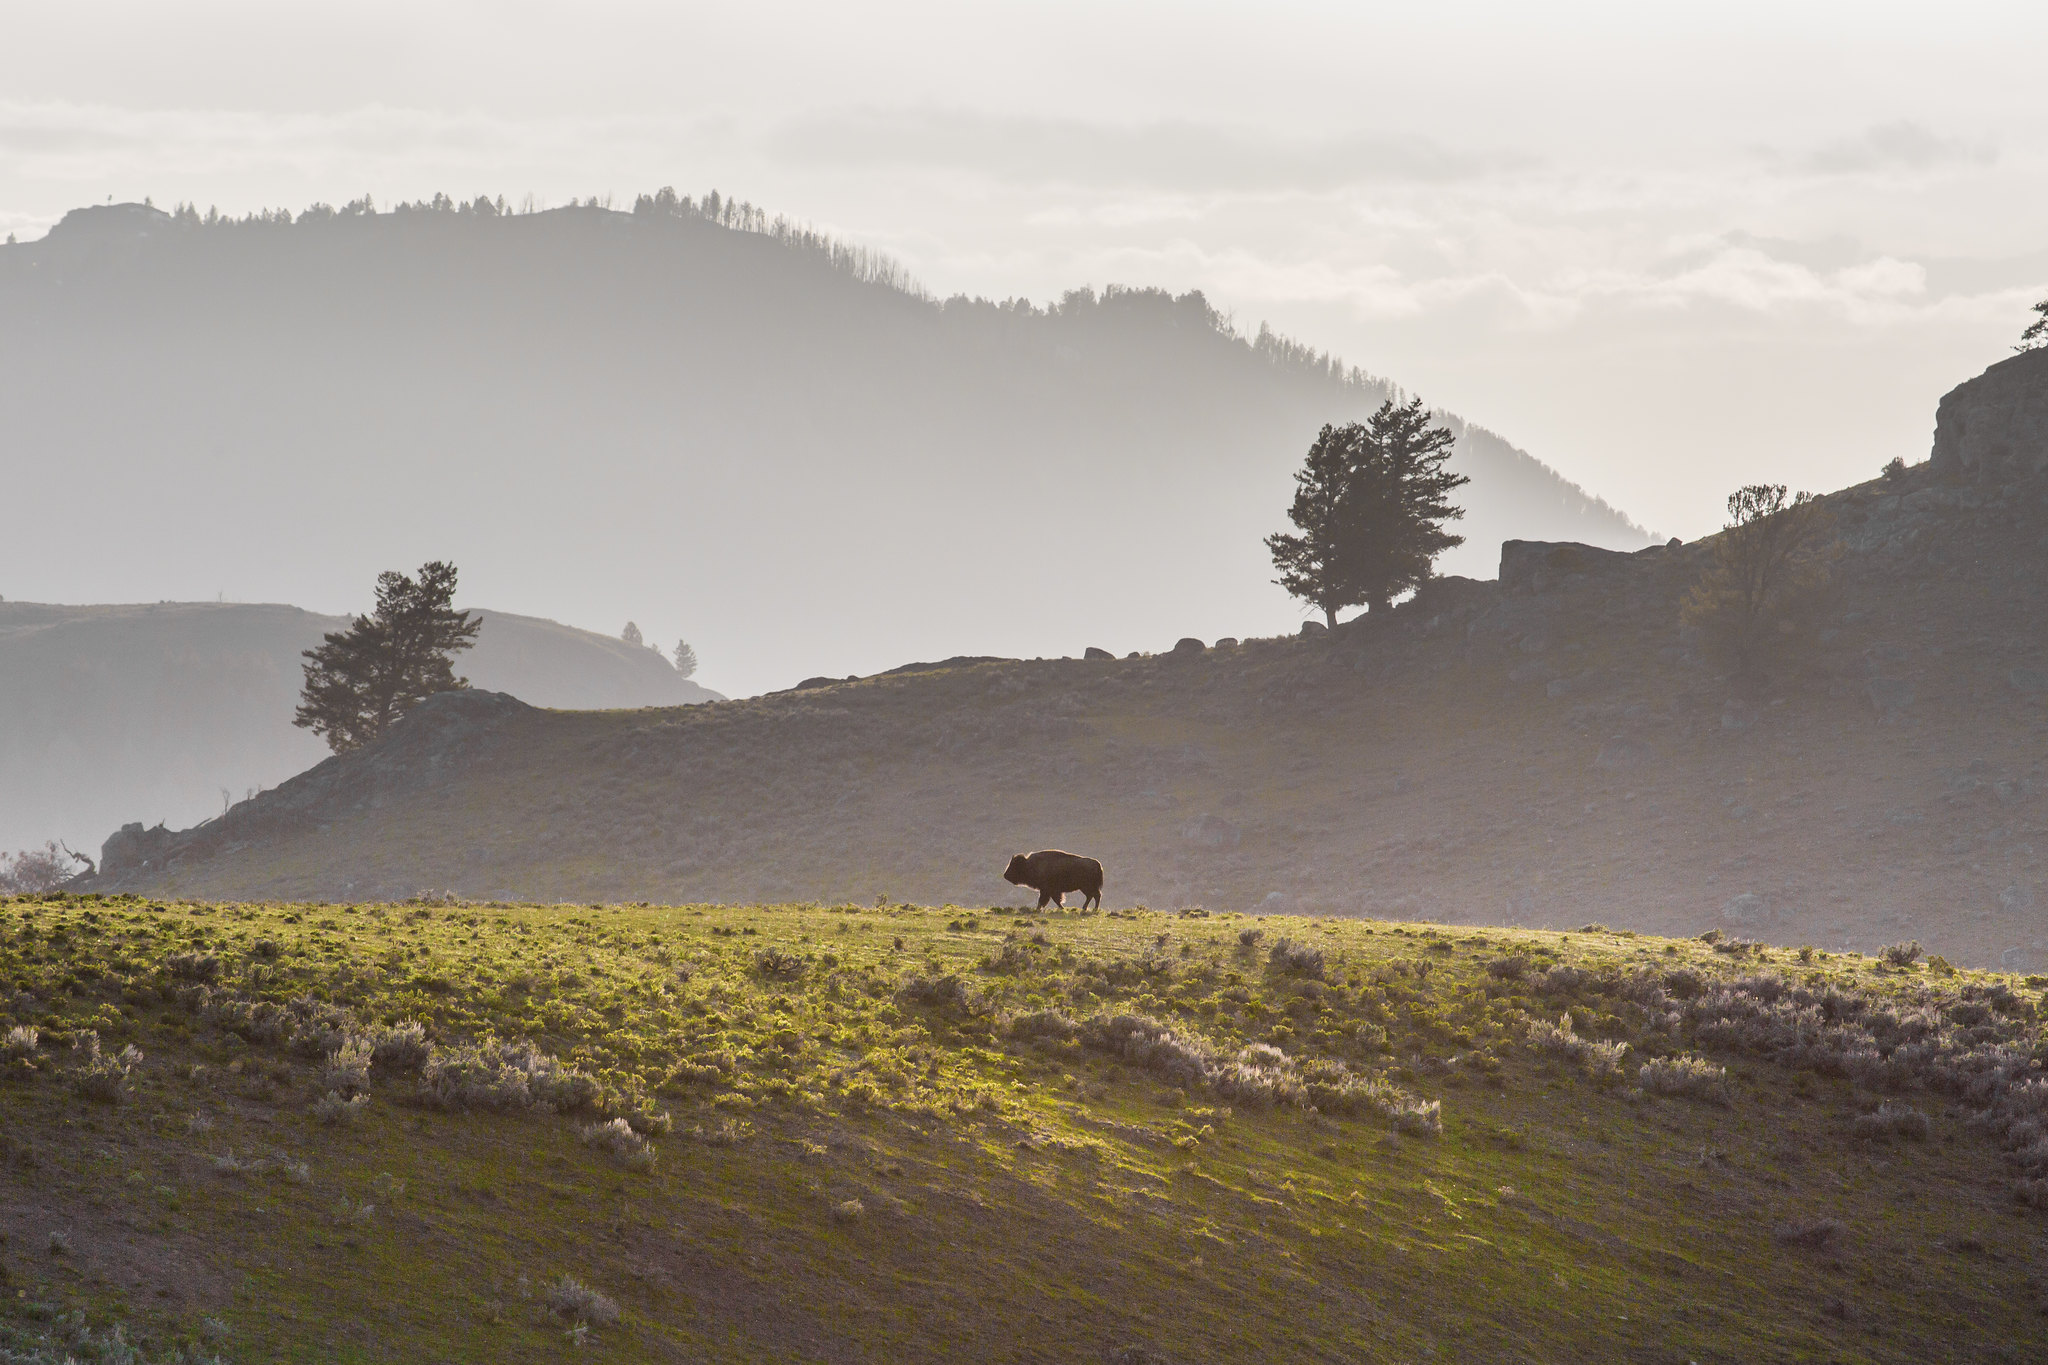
x=885, y=1133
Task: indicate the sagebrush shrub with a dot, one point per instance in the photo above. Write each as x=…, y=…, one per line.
x=1901, y=954
x=1688, y=1076
x=780, y=964
x=496, y=1075
x=98, y=1077
x=617, y=1139
x=943, y=992
x=1893, y=1119
x=1600, y=1059
x=335, y=1108
x=1249, y=938
x=1296, y=959
x=402, y=1047
x=348, y=1067
x=20, y=1042
x=573, y=1301
x=202, y=968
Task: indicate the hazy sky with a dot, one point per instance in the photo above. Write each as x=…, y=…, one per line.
x=1666, y=248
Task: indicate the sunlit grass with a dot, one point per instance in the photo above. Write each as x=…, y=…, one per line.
x=895, y=1132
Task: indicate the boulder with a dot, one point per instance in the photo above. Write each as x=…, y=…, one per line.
x=1314, y=628
x=1994, y=428
x=1188, y=644
x=1093, y=653
x=1227, y=642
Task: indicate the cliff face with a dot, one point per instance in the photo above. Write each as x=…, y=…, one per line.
x=1994, y=429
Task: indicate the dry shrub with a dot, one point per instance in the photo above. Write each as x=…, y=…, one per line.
x=336, y=1109
x=1893, y=1119
x=573, y=1301
x=20, y=1043
x=495, y=1075
x=779, y=964
x=1259, y=1075
x=203, y=968
x=1693, y=1078
x=947, y=992
x=1296, y=959
x=1901, y=954
x=1600, y=1059
x=401, y=1047
x=348, y=1068
x=617, y=1139
x=98, y=1077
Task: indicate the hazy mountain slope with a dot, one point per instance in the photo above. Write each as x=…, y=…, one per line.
x=703, y=426
x=1544, y=751
x=152, y=712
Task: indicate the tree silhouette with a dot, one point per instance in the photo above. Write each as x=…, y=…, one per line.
x=1370, y=501
x=360, y=680
x=1771, y=565
x=686, y=659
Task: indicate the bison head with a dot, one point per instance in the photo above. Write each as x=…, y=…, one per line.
x=1017, y=871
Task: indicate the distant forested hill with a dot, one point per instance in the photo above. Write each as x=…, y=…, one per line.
x=159, y=711
x=683, y=413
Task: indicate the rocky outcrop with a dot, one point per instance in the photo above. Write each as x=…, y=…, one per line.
x=132, y=848
x=1994, y=428
x=1540, y=565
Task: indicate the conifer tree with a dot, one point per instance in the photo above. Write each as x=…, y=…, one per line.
x=1370, y=501
x=360, y=680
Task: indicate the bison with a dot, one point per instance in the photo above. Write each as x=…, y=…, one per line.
x=1052, y=874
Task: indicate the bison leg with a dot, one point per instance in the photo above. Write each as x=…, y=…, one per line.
x=1093, y=898
x=1044, y=899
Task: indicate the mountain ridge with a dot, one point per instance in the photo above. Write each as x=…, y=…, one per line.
x=584, y=406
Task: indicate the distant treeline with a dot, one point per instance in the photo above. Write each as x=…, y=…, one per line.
x=864, y=264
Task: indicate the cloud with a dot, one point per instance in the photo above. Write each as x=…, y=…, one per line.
x=1890, y=148
x=1147, y=157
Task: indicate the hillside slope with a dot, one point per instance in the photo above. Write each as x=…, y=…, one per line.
x=593, y=413
x=865, y=1134
x=158, y=711
x=1542, y=750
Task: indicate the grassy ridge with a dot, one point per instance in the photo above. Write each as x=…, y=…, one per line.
x=892, y=1132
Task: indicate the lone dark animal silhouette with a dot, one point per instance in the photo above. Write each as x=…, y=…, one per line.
x=1052, y=874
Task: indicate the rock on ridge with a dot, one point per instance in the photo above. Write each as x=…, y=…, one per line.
x=1995, y=427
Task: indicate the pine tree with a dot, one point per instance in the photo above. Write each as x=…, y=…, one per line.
x=360, y=680
x=1369, y=503
x=631, y=634
x=686, y=659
